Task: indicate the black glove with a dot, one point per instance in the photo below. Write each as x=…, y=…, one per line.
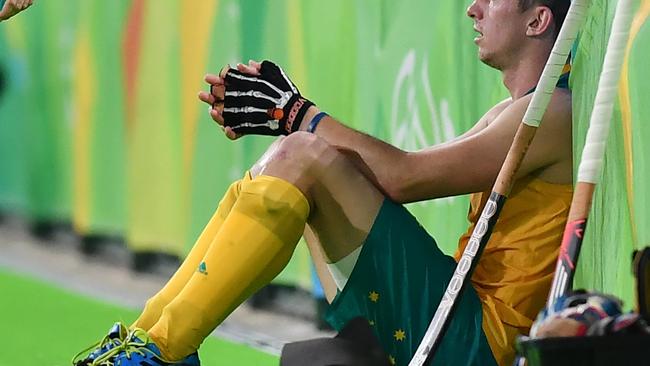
x=265, y=104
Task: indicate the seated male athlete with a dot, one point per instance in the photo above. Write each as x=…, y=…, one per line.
x=345, y=190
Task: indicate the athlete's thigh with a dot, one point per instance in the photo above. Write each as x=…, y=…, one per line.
x=344, y=203
x=347, y=204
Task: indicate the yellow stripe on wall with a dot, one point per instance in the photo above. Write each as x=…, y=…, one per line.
x=296, y=45
x=197, y=20
x=84, y=96
x=154, y=142
x=626, y=111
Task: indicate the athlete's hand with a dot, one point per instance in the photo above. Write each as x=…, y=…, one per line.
x=215, y=97
x=13, y=7
x=257, y=99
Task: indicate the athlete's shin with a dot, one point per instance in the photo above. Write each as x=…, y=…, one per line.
x=155, y=305
x=253, y=245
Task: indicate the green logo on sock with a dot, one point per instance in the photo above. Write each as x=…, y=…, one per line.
x=203, y=268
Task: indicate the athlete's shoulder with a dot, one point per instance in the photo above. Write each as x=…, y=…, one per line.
x=557, y=112
x=499, y=107
x=495, y=111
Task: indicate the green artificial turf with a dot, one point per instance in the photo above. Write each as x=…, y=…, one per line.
x=42, y=325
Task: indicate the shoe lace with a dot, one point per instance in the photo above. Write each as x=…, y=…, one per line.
x=131, y=346
x=106, y=341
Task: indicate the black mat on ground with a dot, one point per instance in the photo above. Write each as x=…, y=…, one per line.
x=355, y=345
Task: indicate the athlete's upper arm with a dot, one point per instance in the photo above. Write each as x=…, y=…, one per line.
x=483, y=121
x=471, y=164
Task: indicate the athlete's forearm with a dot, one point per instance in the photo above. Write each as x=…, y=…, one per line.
x=447, y=169
x=379, y=161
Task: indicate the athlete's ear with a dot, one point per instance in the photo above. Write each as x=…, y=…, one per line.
x=540, y=22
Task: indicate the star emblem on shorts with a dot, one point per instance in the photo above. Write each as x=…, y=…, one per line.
x=391, y=359
x=400, y=335
x=373, y=296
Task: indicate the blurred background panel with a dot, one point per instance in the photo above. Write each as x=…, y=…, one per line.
x=153, y=133
x=99, y=120
x=38, y=114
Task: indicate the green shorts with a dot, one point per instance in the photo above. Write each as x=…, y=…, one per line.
x=397, y=283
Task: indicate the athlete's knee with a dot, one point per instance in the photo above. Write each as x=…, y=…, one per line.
x=303, y=151
x=256, y=169
x=301, y=159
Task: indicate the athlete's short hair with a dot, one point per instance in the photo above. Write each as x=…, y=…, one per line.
x=559, y=8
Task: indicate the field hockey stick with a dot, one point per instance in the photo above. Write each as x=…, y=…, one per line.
x=2, y=4
x=593, y=154
x=503, y=185
x=642, y=274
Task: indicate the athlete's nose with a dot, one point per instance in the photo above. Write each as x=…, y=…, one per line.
x=474, y=10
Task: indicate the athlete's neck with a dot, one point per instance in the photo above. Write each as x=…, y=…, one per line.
x=524, y=73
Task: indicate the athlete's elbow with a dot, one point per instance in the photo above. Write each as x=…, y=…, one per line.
x=402, y=189
x=391, y=185
x=405, y=183
x=395, y=194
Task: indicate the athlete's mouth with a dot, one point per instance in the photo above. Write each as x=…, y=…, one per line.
x=479, y=36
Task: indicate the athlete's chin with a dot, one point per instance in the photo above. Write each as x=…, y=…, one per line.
x=487, y=58
x=483, y=56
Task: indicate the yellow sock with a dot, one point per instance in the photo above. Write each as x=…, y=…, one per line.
x=155, y=305
x=254, y=244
